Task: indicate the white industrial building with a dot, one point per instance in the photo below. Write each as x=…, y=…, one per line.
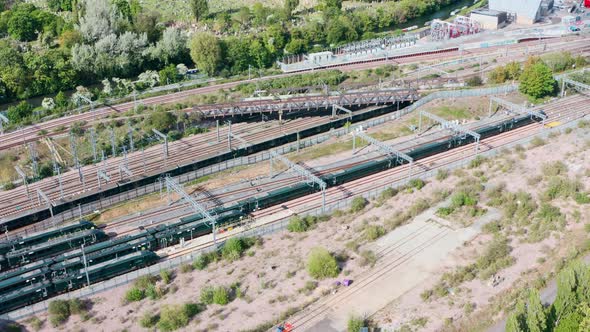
x=525, y=12
x=489, y=19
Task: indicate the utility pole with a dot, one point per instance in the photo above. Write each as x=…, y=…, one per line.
x=85, y=265
x=113, y=143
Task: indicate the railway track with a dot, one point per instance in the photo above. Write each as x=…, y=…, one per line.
x=181, y=152
x=130, y=224
x=361, y=186
x=29, y=134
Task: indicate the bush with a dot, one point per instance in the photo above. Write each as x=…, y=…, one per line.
x=35, y=323
x=232, y=249
x=368, y=257
x=166, y=276
x=201, y=262
x=206, y=295
x=59, y=312
x=554, y=169
x=474, y=81
x=148, y=320
x=358, y=204
x=373, y=232
x=321, y=264
x=186, y=268
x=582, y=198
x=536, y=142
x=220, y=296
x=144, y=282
x=442, y=174
x=77, y=306
x=355, y=323
x=297, y=225
x=172, y=317
x=416, y=183
x=154, y=292
x=134, y=294
x=387, y=194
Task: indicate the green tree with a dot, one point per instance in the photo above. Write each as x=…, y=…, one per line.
x=296, y=46
x=161, y=120
x=61, y=100
x=237, y=54
x=321, y=264
x=517, y=320
x=123, y=8
x=336, y=4
x=537, y=80
x=259, y=54
x=535, y=313
x=206, y=52
x=168, y=75
x=23, y=24
x=19, y=112
x=341, y=30
x=290, y=6
x=200, y=9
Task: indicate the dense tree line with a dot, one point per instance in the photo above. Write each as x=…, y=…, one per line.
x=570, y=312
x=44, y=53
x=83, y=42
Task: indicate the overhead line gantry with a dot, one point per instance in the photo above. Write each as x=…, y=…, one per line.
x=581, y=87
x=302, y=172
x=512, y=107
x=171, y=185
x=451, y=126
x=400, y=156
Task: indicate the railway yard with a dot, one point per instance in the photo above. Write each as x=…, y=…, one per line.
x=402, y=191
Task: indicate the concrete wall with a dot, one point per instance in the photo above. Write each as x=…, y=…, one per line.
x=487, y=22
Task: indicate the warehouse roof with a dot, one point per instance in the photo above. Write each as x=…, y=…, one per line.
x=527, y=8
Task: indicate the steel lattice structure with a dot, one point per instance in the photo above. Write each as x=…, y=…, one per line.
x=356, y=98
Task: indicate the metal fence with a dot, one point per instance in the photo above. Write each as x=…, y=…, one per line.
x=281, y=224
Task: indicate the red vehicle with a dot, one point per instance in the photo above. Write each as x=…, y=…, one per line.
x=587, y=3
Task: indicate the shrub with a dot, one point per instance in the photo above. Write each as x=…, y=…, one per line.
x=537, y=141
x=186, y=268
x=582, y=198
x=321, y=264
x=358, y=204
x=172, y=317
x=233, y=249
x=442, y=174
x=148, y=320
x=387, y=194
x=297, y=225
x=355, y=323
x=474, y=81
x=554, y=169
x=416, y=183
x=206, y=295
x=134, y=294
x=309, y=287
x=201, y=262
x=59, y=312
x=35, y=323
x=373, y=232
x=476, y=162
x=77, y=306
x=166, y=276
x=154, y=292
x=220, y=296
x=368, y=257
x=144, y=281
